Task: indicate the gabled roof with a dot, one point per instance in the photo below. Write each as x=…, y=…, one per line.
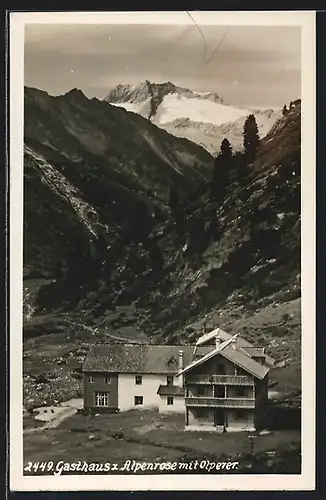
x=164, y=359
x=208, y=336
x=171, y=390
x=235, y=356
x=137, y=358
x=245, y=362
x=206, y=357
x=243, y=343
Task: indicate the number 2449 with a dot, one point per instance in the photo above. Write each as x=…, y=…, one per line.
x=42, y=466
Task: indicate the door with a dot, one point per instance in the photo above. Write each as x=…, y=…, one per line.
x=219, y=391
x=219, y=417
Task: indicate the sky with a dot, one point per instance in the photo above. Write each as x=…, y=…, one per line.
x=245, y=65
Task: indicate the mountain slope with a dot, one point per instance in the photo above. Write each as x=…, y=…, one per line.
x=253, y=260
x=95, y=167
x=129, y=143
x=217, y=258
x=202, y=118
x=99, y=265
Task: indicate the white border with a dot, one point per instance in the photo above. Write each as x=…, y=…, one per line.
x=304, y=481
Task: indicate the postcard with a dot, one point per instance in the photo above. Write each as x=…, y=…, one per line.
x=162, y=251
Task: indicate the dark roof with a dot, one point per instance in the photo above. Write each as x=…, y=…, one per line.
x=138, y=358
x=170, y=390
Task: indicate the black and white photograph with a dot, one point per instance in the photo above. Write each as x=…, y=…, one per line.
x=162, y=268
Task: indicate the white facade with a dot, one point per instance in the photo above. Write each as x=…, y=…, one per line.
x=178, y=405
x=128, y=390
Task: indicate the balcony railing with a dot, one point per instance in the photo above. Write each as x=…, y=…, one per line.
x=221, y=402
x=220, y=379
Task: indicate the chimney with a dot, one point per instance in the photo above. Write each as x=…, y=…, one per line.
x=234, y=343
x=180, y=360
x=181, y=377
x=205, y=325
x=217, y=341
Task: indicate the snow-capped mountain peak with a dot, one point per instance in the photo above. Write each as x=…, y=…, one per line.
x=202, y=117
x=158, y=91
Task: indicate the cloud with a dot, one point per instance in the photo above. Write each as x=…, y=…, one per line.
x=102, y=56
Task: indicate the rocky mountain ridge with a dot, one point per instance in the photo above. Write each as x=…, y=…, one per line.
x=118, y=163
x=155, y=92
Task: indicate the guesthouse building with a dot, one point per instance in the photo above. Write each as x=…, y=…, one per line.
x=220, y=383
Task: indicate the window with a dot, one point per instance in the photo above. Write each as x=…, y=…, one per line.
x=108, y=379
x=139, y=400
x=91, y=380
x=169, y=400
x=169, y=380
x=138, y=380
x=101, y=399
x=241, y=391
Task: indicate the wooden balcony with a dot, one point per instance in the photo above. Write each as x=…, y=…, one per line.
x=220, y=379
x=220, y=402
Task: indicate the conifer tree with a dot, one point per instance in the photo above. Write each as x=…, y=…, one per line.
x=222, y=170
x=250, y=138
x=226, y=149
